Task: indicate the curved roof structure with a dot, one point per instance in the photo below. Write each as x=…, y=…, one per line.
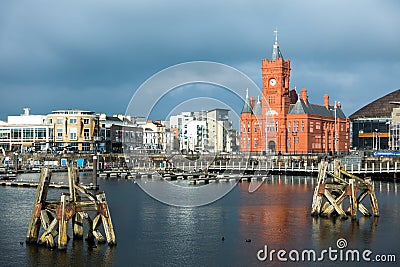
x=380, y=108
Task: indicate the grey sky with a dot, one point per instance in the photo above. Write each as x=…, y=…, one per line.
x=94, y=54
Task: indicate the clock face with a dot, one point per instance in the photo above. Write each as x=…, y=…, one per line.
x=272, y=82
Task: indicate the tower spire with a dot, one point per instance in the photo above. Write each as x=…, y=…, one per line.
x=247, y=108
x=276, y=52
x=276, y=35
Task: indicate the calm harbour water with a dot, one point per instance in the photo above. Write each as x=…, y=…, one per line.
x=154, y=234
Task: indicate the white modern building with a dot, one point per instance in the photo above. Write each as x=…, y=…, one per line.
x=219, y=129
x=195, y=138
x=204, y=130
x=154, y=136
x=26, y=132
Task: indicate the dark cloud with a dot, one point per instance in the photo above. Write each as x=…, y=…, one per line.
x=94, y=54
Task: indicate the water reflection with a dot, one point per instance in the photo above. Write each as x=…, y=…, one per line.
x=386, y=187
x=277, y=210
x=102, y=255
x=360, y=233
x=152, y=233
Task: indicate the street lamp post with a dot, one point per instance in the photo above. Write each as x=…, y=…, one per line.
x=335, y=149
x=294, y=142
x=335, y=131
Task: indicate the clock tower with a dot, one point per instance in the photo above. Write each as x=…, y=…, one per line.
x=276, y=98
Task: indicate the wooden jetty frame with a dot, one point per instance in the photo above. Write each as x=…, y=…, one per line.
x=73, y=205
x=339, y=186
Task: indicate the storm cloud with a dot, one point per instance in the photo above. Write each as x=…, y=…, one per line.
x=93, y=55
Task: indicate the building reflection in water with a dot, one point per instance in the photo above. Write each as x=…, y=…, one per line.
x=277, y=210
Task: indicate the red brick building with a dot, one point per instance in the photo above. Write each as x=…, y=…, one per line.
x=283, y=122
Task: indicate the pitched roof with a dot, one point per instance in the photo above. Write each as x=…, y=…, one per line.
x=246, y=107
x=257, y=108
x=311, y=109
x=380, y=108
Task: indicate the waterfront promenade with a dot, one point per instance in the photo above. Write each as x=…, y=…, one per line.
x=118, y=165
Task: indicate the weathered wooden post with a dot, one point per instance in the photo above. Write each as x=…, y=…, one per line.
x=372, y=197
x=353, y=200
x=50, y=232
x=40, y=199
x=319, y=189
x=62, y=215
x=102, y=208
x=77, y=218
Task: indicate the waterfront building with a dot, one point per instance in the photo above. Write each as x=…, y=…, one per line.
x=178, y=126
x=195, y=138
x=394, y=134
x=118, y=134
x=26, y=133
x=204, y=131
x=372, y=127
x=75, y=130
x=154, y=136
x=219, y=130
x=282, y=122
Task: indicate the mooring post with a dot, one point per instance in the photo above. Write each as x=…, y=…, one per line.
x=77, y=222
x=95, y=229
x=106, y=218
x=62, y=216
x=40, y=199
x=319, y=189
x=353, y=200
x=77, y=218
x=72, y=178
x=95, y=171
x=372, y=197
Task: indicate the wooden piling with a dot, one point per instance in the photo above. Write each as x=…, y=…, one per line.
x=337, y=187
x=102, y=208
x=352, y=199
x=48, y=235
x=40, y=199
x=77, y=224
x=62, y=217
x=319, y=190
x=73, y=205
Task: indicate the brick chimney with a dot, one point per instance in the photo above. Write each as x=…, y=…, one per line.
x=304, y=95
x=326, y=101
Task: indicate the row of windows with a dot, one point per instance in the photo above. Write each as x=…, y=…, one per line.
x=247, y=143
x=73, y=134
x=25, y=133
x=295, y=127
x=71, y=120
